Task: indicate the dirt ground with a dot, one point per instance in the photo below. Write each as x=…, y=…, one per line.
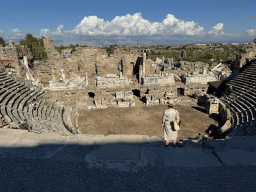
x=143, y=120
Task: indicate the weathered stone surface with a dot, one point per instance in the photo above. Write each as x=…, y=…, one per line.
x=123, y=104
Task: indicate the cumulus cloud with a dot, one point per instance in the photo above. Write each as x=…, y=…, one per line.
x=217, y=30
x=251, y=32
x=133, y=25
x=134, y=29
x=46, y=32
x=12, y=34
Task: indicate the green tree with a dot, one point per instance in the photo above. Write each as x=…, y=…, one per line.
x=2, y=42
x=35, y=45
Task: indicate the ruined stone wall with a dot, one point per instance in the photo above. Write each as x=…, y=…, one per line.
x=246, y=53
x=9, y=57
x=149, y=68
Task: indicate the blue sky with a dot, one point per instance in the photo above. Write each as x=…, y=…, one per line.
x=145, y=22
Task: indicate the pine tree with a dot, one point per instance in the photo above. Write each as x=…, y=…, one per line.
x=36, y=46
x=2, y=42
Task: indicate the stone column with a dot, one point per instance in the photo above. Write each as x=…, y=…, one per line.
x=140, y=73
x=62, y=74
x=144, y=65
x=205, y=71
x=86, y=79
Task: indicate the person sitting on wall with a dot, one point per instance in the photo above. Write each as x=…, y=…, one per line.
x=4, y=124
x=25, y=126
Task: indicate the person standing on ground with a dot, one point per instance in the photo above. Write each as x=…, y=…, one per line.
x=169, y=116
x=25, y=126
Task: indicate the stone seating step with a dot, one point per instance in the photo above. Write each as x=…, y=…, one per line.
x=20, y=99
x=11, y=96
x=242, y=111
x=17, y=115
x=244, y=80
x=245, y=76
x=11, y=116
x=3, y=76
x=246, y=97
x=3, y=73
x=47, y=112
x=5, y=79
x=38, y=108
x=251, y=130
x=4, y=98
x=241, y=85
x=34, y=112
x=12, y=102
x=26, y=98
x=11, y=85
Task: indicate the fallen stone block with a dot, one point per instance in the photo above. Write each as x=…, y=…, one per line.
x=123, y=104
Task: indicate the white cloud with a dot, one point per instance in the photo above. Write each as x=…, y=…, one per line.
x=12, y=34
x=251, y=32
x=133, y=25
x=217, y=30
x=16, y=32
x=46, y=32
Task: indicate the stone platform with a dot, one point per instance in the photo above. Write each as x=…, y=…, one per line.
x=124, y=152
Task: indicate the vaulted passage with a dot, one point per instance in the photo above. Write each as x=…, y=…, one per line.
x=136, y=92
x=91, y=94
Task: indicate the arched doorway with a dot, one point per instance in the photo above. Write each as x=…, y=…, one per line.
x=91, y=94
x=180, y=91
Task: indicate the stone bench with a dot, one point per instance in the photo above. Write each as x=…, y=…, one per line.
x=40, y=108
x=10, y=85
x=242, y=85
x=251, y=129
x=245, y=76
x=236, y=111
x=4, y=97
x=7, y=92
x=243, y=80
x=20, y=99
x=48, y=111
x=3, y=73
x=241, y=110
x=35, y=111
x=14, y=99
x=248, y=115
x=26, y=99
x=4, y=79
x=10, y=113
x=41, y=102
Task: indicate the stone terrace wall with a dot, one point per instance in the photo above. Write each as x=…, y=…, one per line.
x=9, y=57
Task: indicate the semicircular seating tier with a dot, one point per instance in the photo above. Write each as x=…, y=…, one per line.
x=242, y=102
x=16, y=98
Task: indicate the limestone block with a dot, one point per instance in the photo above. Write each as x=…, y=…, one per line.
x=97, y=102
x=155, y=102
x=161, y=101
x=128, y=95
x=123, y=104
x=119, y=95
x=132, y=103
x=111, y=105
x=103, y=102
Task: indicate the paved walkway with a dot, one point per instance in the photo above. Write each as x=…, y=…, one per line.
x=140, y=150
x=124, y=154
